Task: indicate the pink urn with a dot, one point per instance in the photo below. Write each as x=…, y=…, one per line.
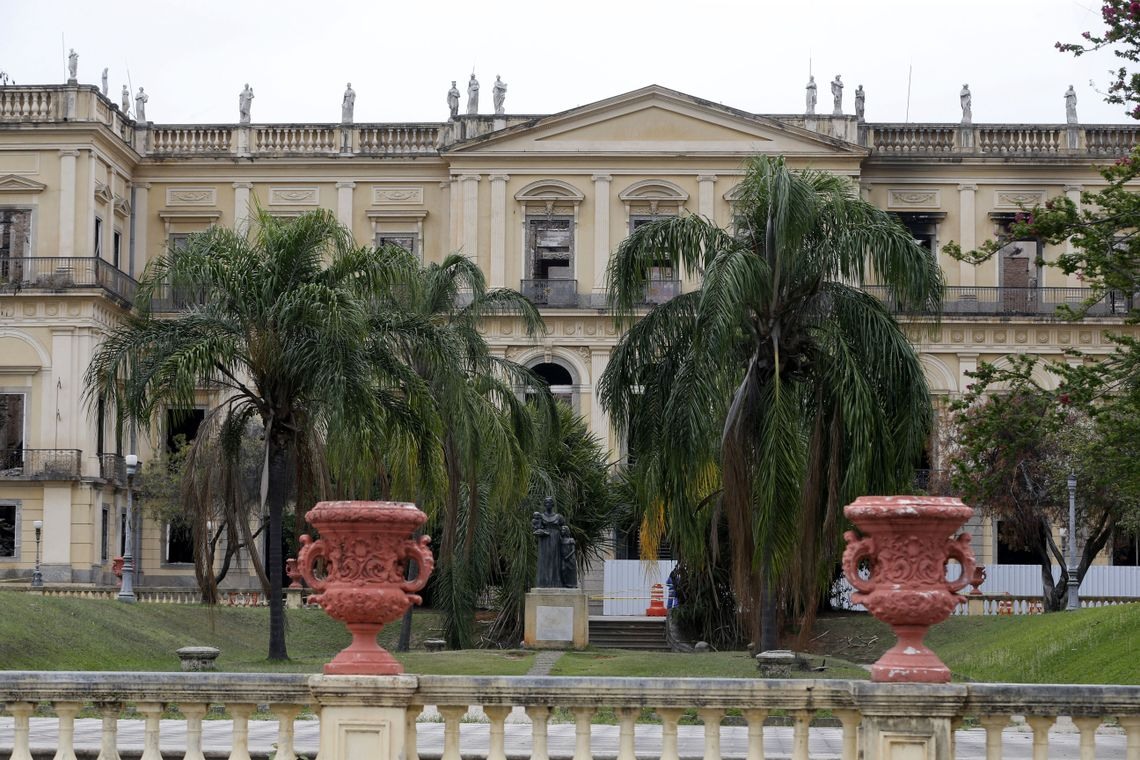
x=907, y=540
x=366, y=547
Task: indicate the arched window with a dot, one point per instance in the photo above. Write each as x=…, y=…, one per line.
x=560, y=381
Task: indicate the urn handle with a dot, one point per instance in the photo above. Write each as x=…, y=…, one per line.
x=960, y=550
x=418, y=550
x=311, y=551
x=857, y=550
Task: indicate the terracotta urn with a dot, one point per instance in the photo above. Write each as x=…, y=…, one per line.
x=293, y=573
x=366, y=547
x=907, y=541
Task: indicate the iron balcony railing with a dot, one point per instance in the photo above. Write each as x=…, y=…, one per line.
x=113, y=469
x=169, y=299
x=59, y=273
x=660, y=290
x=1010, y=301
x=551, y=292
x=40, y=464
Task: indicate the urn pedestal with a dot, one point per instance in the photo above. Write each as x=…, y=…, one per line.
x=907, y=543
x=366, y=547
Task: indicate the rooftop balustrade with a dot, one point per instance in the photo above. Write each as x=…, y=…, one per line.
x=1014, y=301
x=385, y=717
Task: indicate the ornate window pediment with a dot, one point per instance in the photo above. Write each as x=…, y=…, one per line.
x=550, y=196
x=14, y=183
x=652, y=197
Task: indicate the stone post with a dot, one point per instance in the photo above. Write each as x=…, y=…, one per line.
x=908, y=720
x=363, y=716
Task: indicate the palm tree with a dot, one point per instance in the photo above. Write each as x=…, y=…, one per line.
x=284, y=329
x=779, y=390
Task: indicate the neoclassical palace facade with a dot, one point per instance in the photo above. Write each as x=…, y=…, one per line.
x=88, y=196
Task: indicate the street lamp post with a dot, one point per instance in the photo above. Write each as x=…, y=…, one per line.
x=127, y=592
x=1074, y=598
x=37, y=576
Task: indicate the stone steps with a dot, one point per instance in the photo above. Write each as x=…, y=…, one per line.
x=629, y=633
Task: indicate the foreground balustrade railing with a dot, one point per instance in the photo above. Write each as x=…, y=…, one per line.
x=414, y=717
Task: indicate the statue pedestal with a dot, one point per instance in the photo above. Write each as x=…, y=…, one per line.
x=556, y=618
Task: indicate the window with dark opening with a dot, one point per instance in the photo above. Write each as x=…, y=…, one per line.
x=7, y=530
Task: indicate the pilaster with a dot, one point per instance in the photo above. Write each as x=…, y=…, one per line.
x=498, y=265
x=967, y=362
x=967, y=232
x=706, y=185
x=344, y=203
x=599, y=420
x=67, y=160
x=241, y=206
x=601, y=230
x=140, y=216
x=470, y=241
x=1073, y=193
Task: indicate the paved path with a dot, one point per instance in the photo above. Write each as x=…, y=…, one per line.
x=825, y=742
x=544, y=662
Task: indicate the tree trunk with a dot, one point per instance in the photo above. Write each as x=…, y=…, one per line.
x=769, y=608
x=275, y=499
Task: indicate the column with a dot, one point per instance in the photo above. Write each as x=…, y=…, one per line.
x=599, y=419
x=87, y=239
x=140, y=220
x=454, y=214
x=1073, y=193
x=241, y=206
x=967, y=230
x=967, y=362
x=498, y=264
x=470, y=241
x=706, y=185
x=601, y=231
x=67, y=202
x=344, y=203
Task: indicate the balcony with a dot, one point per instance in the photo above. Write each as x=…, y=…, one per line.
x=113, y=469
x=562, y=293
x=168, y=299
x=63, y=273
x=384, y=718
x=660, y=290
x=1014, y=302
x=40, y=464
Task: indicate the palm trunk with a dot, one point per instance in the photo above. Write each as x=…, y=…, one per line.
x=769, y=609
x=275, y=499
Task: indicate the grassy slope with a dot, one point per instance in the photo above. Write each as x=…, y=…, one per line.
x=36, y=633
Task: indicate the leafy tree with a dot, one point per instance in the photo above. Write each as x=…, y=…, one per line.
x=779, y=390
x=1122, y=35
x=286, y=331
x=1017, y=443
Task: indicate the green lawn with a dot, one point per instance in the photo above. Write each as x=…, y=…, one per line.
x=38, y=633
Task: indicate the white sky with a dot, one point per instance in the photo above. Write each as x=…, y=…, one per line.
x=193, y=58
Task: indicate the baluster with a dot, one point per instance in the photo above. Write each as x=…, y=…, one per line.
x=1088, y=726
x=1040, y=725
x=66, y=712
x=1131, y=726
x=851, y=720
x=994, y=725
x=240, y=734
x=955, y=724
x=21, y=730
x=152, y=714
x=669, y=718
x=801, y=732
x=286, y=714
x=410, y=715
x=194, y=712
x=539, y=723
x=627, y=719
x=452, y=714
x=497, y=714
x=582, y=716
x=711, y=716
x=756, y=718
x=109, y=739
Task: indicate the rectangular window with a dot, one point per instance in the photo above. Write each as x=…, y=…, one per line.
x=178, y=241
x=122, y=533
x=15, y=243
x=550, y=248
x=407, y=241
x=7, y=530
x=179, y=542
x=98, y=237
x=116, y=249
x=663, y=283
x=105, y=534
x=11, y=430
x=182, y=427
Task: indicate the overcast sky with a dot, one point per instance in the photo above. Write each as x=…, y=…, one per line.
x=193, y=58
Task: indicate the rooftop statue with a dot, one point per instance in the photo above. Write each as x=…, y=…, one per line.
x=453, y=100
x=1070, y=105
x=347, y=104
x=811, y=95
x=499, y=94
x=837, y=96
x=967, y=101
x=140, y=105
x=245, y=100
x=473, y=96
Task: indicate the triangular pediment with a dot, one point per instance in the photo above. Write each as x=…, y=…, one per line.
x=656, y=120
x=14, y=183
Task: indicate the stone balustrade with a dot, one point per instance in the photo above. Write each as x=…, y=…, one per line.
x=1001, y=140
x=30, y=104
x=383, y=717
x=190, y=140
